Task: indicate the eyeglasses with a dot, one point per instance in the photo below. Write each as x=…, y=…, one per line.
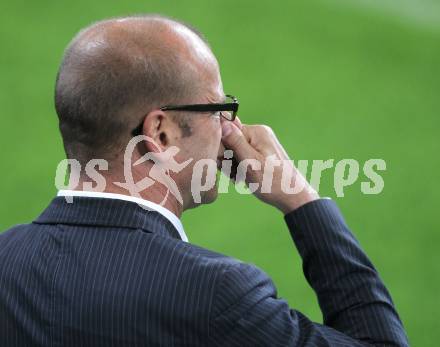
x=228, y=110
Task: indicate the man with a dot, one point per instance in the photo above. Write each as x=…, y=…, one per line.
x=109, y=269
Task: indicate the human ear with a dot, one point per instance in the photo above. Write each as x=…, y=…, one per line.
x=160, y=131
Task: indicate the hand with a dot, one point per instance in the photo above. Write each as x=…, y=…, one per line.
x=259, y=145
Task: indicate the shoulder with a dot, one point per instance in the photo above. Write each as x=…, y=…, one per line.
x=197, y=255
x=16, y=232
x=229, y=270
x=222, y=276
x=233, y=281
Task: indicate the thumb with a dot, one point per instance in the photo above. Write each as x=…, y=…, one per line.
x=233, y=138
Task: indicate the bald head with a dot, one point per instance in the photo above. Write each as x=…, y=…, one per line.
x=116, y=71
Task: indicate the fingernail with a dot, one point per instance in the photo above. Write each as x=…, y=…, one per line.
x=226, y=129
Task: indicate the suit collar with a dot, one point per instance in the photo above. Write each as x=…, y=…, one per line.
x=106, y=213
x=145, y=204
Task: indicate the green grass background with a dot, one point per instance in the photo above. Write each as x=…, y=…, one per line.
x=332, y=79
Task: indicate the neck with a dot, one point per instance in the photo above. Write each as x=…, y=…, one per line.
x=157, y=193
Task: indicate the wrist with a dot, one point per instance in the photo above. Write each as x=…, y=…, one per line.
x=294, y=201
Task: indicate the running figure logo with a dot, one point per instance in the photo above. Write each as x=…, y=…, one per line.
x=164, y=164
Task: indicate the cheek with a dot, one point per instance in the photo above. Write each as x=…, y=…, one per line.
x=205, y=140
x=210, y=131
x=216, y=129
x=215, y=135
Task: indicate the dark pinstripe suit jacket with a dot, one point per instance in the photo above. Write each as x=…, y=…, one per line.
x=103, y=272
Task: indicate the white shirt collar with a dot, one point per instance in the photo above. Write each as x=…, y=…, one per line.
x=146, y=203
